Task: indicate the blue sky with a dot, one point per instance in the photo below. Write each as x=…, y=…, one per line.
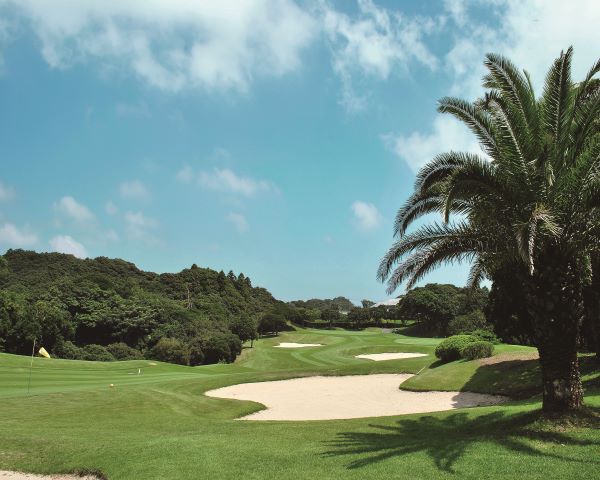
x=272, y=137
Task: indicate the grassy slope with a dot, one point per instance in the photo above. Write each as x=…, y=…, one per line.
x=158, y=425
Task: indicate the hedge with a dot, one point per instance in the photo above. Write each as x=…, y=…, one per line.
x=480, y=349
x=451, y=348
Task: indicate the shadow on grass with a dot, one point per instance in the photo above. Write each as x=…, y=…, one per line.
x=518, y=379
x=521, y=379
x=447, y=439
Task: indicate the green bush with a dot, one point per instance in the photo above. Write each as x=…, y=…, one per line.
x=96, y=353
x=196, y=347
x=480, y=349
x=451, y=348
x=68, y=350
x=222, y=347
x=171, y=350
x=485, y=335
x=465, y=324
x=235, y=346
x=122, y=351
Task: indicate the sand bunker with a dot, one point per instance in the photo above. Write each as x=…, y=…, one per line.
x=297, y=345
x=4, y=475
x=354, y=396
x=378, y=357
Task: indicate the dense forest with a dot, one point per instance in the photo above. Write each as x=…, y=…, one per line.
x=108, y=308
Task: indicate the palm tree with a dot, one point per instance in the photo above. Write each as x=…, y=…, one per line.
x=528, y=203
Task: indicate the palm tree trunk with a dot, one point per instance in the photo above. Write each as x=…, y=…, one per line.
x=556, y=305
x=562, y=390
x=591, y=323
x=594, y=320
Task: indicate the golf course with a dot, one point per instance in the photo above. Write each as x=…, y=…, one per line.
x=146, y=419
x=299, y=239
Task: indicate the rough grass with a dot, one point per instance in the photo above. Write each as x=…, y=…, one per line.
x=158, y=425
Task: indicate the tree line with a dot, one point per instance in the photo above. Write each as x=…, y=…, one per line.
x=105, y=309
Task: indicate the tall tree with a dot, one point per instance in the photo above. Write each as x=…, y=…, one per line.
x=530, y=206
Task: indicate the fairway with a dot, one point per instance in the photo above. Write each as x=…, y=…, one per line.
x=155, y=423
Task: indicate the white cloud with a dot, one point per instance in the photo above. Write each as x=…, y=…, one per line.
x=174, y=45
x=239, y=221
x=366, y=215
x=134, y=189
x=374, y=44
x=531, y=33
x=5, y=37
x=457, y=11
x=110, y=208
x=66, y=244
x=73, y=209
x=226, y=180
x=139, y=227
x=185, y=175
x=6, y=192
x=417, y=149
x=12, y=236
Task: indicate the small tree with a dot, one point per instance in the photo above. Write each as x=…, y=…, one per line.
x=245, y=328
x=221, y=347
x=171, y=350
x=122, y=351
x=196, y=349
x=271, y=322
x=331, y=315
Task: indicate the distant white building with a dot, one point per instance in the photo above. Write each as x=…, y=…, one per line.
x=387, y=303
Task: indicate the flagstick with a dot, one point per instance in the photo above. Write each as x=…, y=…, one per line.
x=31, y=366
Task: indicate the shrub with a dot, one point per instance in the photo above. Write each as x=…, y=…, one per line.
x=480, y=349
x=245, y=328
x=485, y=335
x=235, y=346
x=196, y=352
x=67, y=350
x=122, y=351
x=97, y=353
x=222, y=347
x=272, y=322
x=451, y=348
x=170, y=350
x=464, y=324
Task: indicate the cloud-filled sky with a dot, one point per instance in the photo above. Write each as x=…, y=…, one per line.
x=273, y=137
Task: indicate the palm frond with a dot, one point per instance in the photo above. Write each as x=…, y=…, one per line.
x=505, y=77
x=556, y=100
x=527, y=232
x=442, y=167
x=477, y=273
x=477, y=119
x=425, y=237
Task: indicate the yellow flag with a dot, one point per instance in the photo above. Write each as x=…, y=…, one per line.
x=42, y=351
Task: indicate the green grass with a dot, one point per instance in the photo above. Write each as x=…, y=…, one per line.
x=158, y=425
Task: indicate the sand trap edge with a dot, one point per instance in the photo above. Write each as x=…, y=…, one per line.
x=373, y=398
x=297, y=345
x=380, y=357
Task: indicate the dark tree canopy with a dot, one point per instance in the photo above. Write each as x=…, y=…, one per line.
x=435, y=305
x=67, y=303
